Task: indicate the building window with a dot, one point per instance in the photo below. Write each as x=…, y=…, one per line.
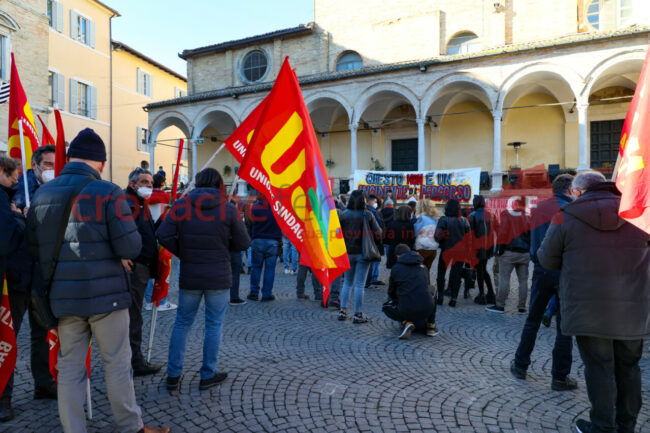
x=605, y=141
x=50, y=83
x=142, y=134
x=348, y=61
x=179, y=93
x=56, y=83
x=254, y=66
x=4, y=57
x=626, y=12
x=82, y=99
x=82, y=29
x=463, y=43
x=49, y=12
x=593, y=14
x=144, y=83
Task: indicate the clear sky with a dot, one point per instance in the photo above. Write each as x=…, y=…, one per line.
x=161, y=29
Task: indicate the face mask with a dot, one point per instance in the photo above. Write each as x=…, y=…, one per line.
x=47, y=175
x=374, y=205
x=144, y=192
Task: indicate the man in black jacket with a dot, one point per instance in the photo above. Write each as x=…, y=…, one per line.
x=144, y=267
x=408, y=291
x=42, y=171
x=604, y=264
x=450, y=235
x=13, y=226
x=89, y=291
x=545, y=285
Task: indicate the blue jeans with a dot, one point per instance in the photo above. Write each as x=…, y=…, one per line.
x=355, y=277
x=375, y=272
x=265, y=254
x=249, y=255
x=289, y=254
x=216, y=302
x=149, y=291
x=545, y=284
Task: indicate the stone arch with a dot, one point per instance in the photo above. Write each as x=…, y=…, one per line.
x=369, y=95
x=167, y=119
x=209, y=115
x=311, y=99
x=487, y=90
x=628, y=58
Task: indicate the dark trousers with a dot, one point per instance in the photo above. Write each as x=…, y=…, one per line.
x=392, y=312
x=139, y=279
x=20, y=302
x=454, y=277
x=613, y=381
x=545, y=284
x=235, y=267
x=483, y=278
x=301, y=277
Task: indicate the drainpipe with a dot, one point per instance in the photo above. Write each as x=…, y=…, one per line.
x=110, y=92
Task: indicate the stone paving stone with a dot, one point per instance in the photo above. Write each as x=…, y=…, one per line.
x=292, y=367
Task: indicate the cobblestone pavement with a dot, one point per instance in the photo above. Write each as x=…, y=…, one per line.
x=292, y=367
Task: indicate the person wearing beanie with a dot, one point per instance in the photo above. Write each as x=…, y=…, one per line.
x=89, y=288
x=410, y=301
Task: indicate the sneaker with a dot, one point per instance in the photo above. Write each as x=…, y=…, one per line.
x=173, y=382
x=293, y=272
x=432, y=330
x=253, y=297
x=237, y=301
x=303, y=297
x=167, y=306
x=495, y=309
x=343, y=315
x=517, y=372
x=148, y=306
x=522, y=310
x=270, y=298
x=490, y=298
x=406, y=332
x=546, y=320
x=567, y=384
x=583, y=426
x=359, y=318
x=146, y=429
x=213, y=381
x=287, y=271
x=335, y=303
x=452, y=303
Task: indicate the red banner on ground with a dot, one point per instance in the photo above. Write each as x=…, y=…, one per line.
x=8, y=349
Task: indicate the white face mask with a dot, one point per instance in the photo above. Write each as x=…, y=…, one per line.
x=47, y=175
x=374, y=205
x=144, y=192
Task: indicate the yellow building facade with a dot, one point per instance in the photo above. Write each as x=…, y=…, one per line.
x=417, y=85
x=137, y=81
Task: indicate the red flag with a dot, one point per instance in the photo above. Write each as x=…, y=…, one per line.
x=161, y=285
x=283, y=161
x=47, y=137
x=19, y=111
x=59, y=160
x=633, y=178
x=54, y=345
x=90, y=349
x=238, y=141
x=176, y=172
x=8, y=349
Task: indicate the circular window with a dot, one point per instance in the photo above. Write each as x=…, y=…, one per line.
x=254, y=66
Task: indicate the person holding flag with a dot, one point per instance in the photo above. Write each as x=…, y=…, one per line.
x=13, y=226
x=90, y=224
x=42, y=171
x=201, y=229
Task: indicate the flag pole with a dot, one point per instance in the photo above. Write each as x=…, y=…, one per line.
x=191, y=185
x=234, y=185
x=89, y=402
x=152, y=330
x=22, y=151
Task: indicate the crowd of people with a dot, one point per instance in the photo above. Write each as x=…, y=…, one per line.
x=91, y=250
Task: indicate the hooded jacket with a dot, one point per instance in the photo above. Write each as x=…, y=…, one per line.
x=89, y=278
x=451, y=227
x=201, y=229
x=13, y=227
x=409, y=287
x=605, y=267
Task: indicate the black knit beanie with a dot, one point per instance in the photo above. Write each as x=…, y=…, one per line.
x=87, y=145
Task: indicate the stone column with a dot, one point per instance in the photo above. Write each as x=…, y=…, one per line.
x=497, y=170
x=583, y=151
x=152, y=153
x=421, y=150
x=195, y=162
x=242, y=190
x=353, y=147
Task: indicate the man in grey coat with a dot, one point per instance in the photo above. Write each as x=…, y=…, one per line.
x=604, y=298
x=89, y=291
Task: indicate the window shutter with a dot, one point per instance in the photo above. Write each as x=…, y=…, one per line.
x=73, y=96
x=138, y=138
x=74, y=31
x=91, y=34
x=92, y=102
x=138, y=84
x=58, y=91
x=150, y=89
x=57, y=16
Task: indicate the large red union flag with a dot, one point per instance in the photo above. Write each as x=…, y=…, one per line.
x=20, y=112
x=8, y=350
x=283, y=162
x=633, y=178
x=238, y=141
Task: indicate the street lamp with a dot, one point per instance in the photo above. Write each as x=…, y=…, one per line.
x=516, y=145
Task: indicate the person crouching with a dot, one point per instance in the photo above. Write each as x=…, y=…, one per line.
x=408, y=289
